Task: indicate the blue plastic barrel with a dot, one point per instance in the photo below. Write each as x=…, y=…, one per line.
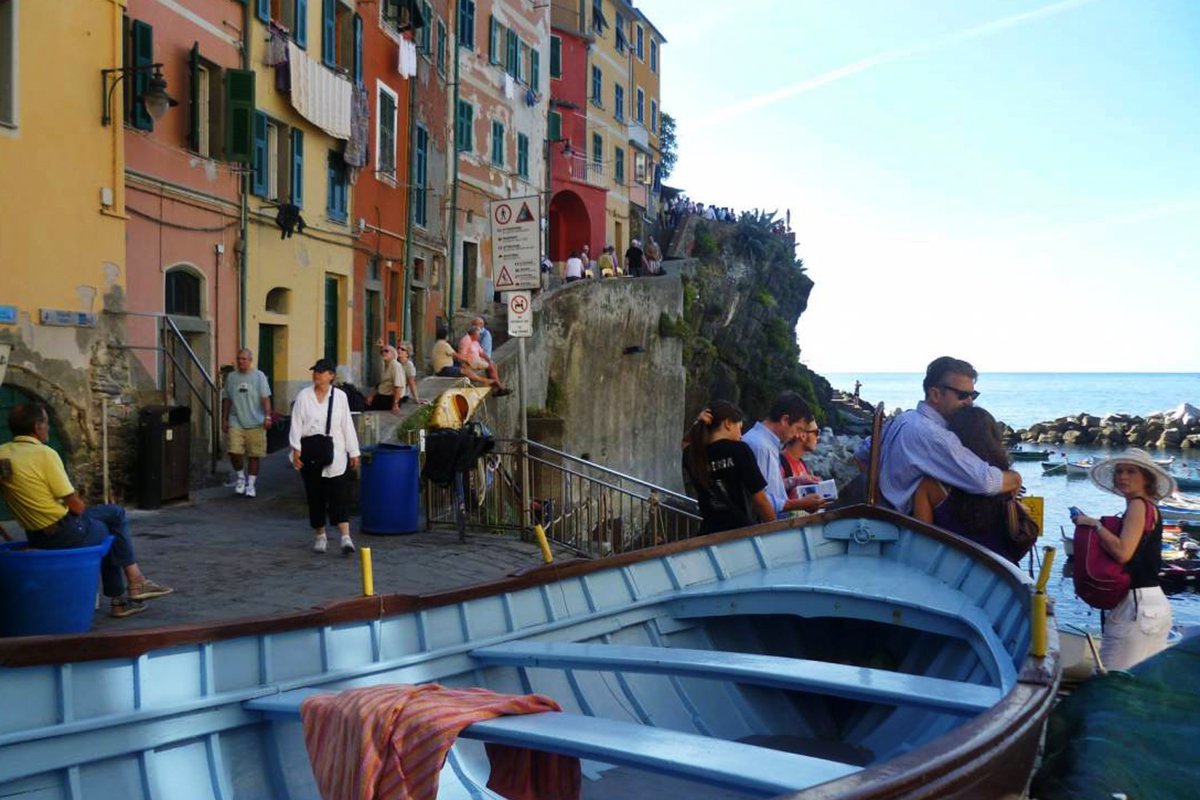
x=48, y=591
x=390, y=492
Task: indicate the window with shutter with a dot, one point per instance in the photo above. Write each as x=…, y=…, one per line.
x=142, y=47
x=597, y=86
x=619, y=101
x=239, y=113
x=554, y=126
x=385, y=139
x=466, y=24
x=619, y=165
x=441, y=47
x=300, y=24
x=264, y=10
x=555, y=57
x=598, y=152
x=329, y=32
x=259, y=172
x=297, y=167
x=653, y=55
x=497, y=143
x=195, y=99
x=336, y=186
x=358, y=50
x=641, y=41
x=512, y=52
x=523, y=156
x=641, y=104
x=535, y=69
x=493, y=40
x=420, y=170
x=464, y=126
x=427, y=29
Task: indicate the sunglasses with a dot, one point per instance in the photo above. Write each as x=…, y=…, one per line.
x=813, y=431
x=960, y=393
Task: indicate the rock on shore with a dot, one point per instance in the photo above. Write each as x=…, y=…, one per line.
x=1178, y=429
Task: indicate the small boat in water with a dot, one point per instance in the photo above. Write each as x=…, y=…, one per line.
x=1187, y=482
x=1019, y=454
x=1179, y=508
x=853, y=653
x=1054, y=468
x=1079, y=469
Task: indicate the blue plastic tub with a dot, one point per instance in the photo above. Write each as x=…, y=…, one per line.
x=390, y=492
x=48, y=591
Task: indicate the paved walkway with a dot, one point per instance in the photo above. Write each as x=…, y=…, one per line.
x=228, y=556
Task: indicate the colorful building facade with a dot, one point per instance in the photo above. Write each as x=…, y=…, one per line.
x=645, y=59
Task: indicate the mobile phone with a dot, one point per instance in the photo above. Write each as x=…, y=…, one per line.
x=1074, y=512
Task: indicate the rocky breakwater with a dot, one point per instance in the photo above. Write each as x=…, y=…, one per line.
x=834, y=457
x=1167, y=430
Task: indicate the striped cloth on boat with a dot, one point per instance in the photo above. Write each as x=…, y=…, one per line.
x=389, y=743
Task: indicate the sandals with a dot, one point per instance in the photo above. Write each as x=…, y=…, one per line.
x=147, y=590
x=125, y=607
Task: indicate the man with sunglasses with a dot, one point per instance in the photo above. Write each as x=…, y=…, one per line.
x=919, y=443
x=788, y=417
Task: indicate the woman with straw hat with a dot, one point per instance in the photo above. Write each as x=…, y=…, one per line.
x=1137, y=628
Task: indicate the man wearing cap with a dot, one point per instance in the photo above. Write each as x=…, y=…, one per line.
x=35, y=485
x=397, y=383
x=919, y=443
x=246, y=418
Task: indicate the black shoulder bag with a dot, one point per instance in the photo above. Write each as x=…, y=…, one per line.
x=316, y=451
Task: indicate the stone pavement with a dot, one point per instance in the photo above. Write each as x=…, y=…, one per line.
x=229, y=556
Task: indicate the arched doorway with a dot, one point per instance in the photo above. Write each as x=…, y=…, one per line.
x=11, y=396
x=570, y=225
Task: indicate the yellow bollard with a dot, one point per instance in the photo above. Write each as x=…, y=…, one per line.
x=368, y=575
x=1038, y=640
x=540, y=535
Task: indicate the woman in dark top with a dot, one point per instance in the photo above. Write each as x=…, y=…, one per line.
x=980, y=518
x=722, y=468
x=1137, y=628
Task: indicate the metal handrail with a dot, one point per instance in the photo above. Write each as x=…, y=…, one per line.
x=609, y=471
x=606, y=485
x=195, y=360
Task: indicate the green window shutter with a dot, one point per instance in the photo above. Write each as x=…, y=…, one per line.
x=427, y=29
x=420, y=168
x=194, y=121
x=493, y=40
x=497, y=143
x=597, y=150
x=523, y=156
x=441, y=47
x=554, y=128
x=258, y=180
x=555, y=57
x=358, y=50
x=301, y=23
x=239, y=115
x=298, y=167
x=511, y=52
x=619, y=165
x=466, y=24
x=143, y=56
x=535, y=69
x=329, y=32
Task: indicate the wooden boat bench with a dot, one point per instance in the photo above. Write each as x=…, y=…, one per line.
x=717, y=762
x=840, y=680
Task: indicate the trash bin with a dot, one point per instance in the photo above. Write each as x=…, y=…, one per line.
x=48, y=591
x=390, y=491
x=164, y=445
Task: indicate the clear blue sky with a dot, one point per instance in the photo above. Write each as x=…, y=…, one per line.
x=1012, y=182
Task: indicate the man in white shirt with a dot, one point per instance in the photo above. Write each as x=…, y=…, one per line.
x=788, y=417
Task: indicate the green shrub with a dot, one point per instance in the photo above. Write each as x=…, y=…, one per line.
x=705, y=243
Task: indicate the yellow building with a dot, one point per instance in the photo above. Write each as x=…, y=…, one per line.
x=62, y=211
x=609, y=97
x=645, y=118
x=298, y=284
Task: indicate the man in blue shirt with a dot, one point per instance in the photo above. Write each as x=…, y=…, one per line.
x=788, y=417
x=919, y=443
x=485, y=336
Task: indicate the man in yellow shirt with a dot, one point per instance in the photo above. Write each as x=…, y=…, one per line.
x=40, y=495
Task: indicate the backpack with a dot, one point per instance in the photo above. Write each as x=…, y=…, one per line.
x=1100, y=580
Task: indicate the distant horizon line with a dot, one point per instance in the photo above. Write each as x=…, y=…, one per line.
x=1008, y=372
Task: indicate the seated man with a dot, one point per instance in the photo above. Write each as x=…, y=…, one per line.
x=397, y=382
x=471, y=354
x=919, y=443
x=449, y=363
x=42, y=499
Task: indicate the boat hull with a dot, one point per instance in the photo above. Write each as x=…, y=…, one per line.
x=861, y=587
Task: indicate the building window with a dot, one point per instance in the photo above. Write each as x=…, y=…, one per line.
x=464, y=123
x=554, y=126
x=512, y=53
x=640, y=43
x=523, y=156
x=597, y=86
x=641, y=104
x=297, y=165
x=619, y=165
x=598, y=152
x=337, y=184
x=441, y=47
x=8, y=63
x=522, y=63
x=270, y=178
x=654, y=116
x=555, y=57
x=427, y=29
x=202, y=111
x=619, y=101
x=141, y=54
x=653, y=55
x=278, y=300
x=182, y=296
x=497, y=143
x=599, y=23
x=420, y=177
x=619, y=27
x=385, y=132
x=341, y=37
x=535, y=69
x=494, y=29
x=466, y=24
x=291, y=15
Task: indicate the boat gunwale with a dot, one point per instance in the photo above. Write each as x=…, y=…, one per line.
x=75, y=648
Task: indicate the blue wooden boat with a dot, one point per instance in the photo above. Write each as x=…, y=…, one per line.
x=1020, y=454
x=852, y=654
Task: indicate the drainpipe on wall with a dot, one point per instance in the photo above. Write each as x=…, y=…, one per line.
x=243, y=259
x=406, y=331
x=453, y=240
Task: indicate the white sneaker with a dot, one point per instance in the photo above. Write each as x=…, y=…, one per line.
x=240, y=486
x=251, y=491
x=319, y=544
x=347, y=546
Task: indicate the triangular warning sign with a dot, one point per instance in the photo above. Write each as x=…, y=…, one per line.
x=504, y=278
x=525, y=214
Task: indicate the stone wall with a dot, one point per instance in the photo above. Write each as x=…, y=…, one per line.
x=597, y=360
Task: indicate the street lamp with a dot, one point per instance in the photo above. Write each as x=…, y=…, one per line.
x=155, y=98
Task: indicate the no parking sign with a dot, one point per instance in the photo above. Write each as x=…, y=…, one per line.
x=520, y=314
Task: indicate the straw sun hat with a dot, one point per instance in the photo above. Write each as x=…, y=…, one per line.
x=1102, y=473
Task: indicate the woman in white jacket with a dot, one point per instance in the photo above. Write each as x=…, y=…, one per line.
x=327, y=488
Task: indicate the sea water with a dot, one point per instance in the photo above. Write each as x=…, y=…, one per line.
x=1021, y=399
